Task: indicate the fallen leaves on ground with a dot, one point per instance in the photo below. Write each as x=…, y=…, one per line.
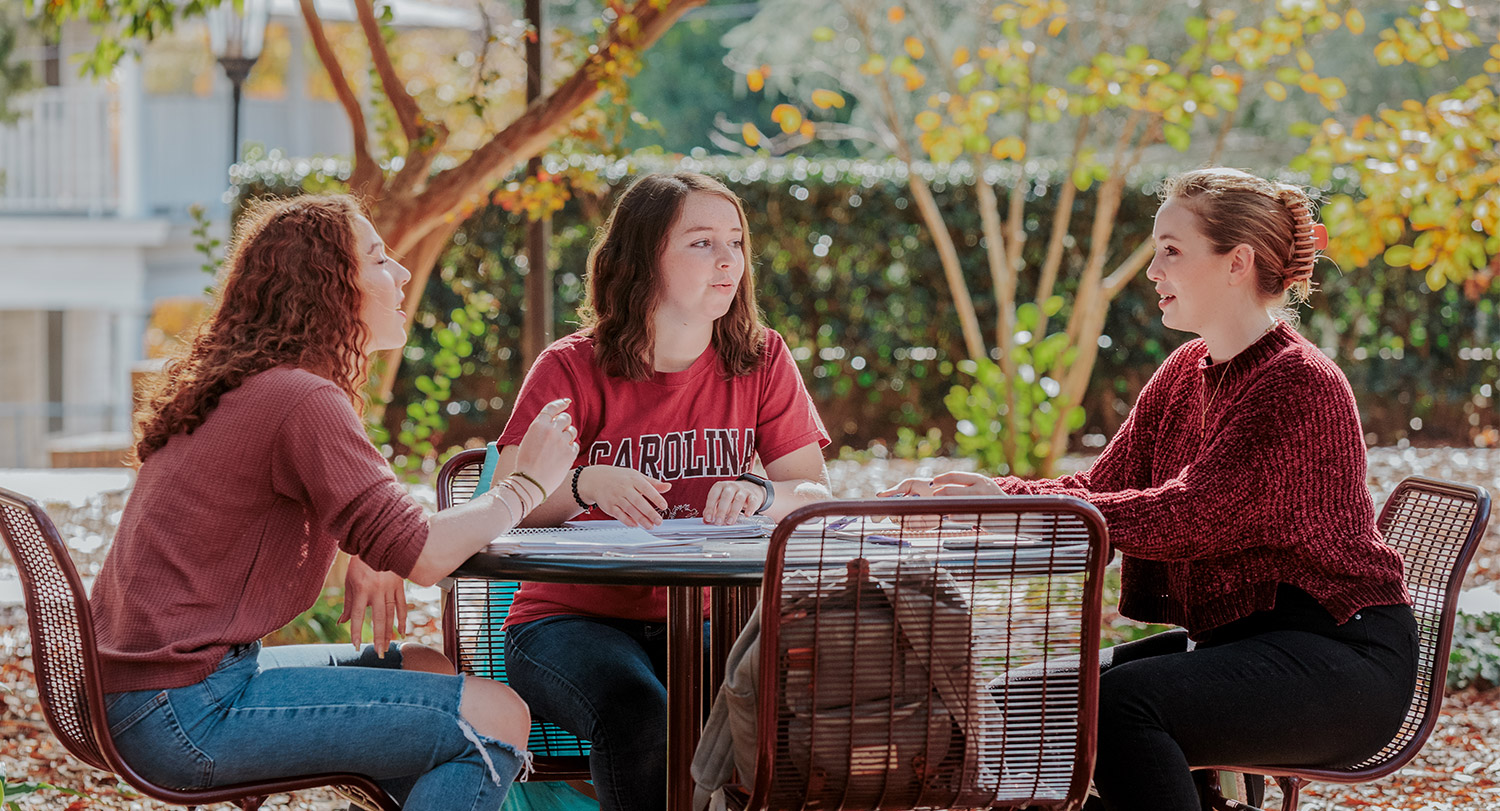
x=1459, y=770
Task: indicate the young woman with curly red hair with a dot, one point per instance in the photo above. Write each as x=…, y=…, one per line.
x=254, y=471
x=1235, y=492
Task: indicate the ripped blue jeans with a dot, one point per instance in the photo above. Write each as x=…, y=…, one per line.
x=309, y=709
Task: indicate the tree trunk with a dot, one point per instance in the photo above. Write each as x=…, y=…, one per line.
x=952, y=268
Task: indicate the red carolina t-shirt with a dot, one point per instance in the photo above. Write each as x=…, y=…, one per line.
x=691, y=428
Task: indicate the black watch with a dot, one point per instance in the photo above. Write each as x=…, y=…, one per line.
x=763, y=482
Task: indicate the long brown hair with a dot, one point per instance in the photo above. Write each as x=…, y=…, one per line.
x=624, y=287
x=1275, y=219
x=290, y=297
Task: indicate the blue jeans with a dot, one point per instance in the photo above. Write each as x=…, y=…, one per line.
x=604, y=681
x=307, y=709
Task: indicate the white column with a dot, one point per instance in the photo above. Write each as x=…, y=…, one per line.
x=132, y=156
x=88, y=377
x=23, y=387
x=130, y=331
x=299, y=116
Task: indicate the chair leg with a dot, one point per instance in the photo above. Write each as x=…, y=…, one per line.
x=250, y=803
x=1291, y=787
x=1211, y=790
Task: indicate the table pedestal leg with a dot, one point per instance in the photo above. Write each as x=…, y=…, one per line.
x=732, y=606
x=684, y=691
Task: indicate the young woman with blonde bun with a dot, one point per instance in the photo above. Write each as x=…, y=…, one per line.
x=1236, y=495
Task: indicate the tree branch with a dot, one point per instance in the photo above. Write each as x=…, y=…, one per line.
x=1062, y=221
x=366, y=178
x=543, y=120
x=932, y=214
x=405, y=106
x=1221, y=138
x=1126, y=270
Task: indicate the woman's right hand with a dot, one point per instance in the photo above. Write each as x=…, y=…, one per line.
x=920, y=488
x=908, y=487
x=547, y=451
x=628, y=495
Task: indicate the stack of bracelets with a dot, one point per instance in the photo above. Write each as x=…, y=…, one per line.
x=509, y=483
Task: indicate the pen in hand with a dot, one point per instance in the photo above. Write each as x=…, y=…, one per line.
x=849, y=519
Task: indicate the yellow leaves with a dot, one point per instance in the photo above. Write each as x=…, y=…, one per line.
x=914, y=48
x=1056, y=26
x=1428, y=197
x=789, y=117
x=984, y=103
x=960, y=57
x=807, y=130
x=928, y=120
x=1332, y=87
x=824, y=99
x=1304, y=60
x=1388, y=53
x=1355, y=21
x=1012, y=148
x=896, y=14
x=874, y=66
x=756, y=78
x=1033, y=12
x=751, y=134
x=1276, y=90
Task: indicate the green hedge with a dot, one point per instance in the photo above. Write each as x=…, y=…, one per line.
x=846, y=273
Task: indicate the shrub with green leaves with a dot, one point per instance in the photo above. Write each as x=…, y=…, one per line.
x=1474, y=660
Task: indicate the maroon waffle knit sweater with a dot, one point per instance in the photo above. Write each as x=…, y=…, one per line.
x=231, y=529
x=1229, y=479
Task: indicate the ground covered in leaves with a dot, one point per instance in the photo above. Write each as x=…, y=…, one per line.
x=1458, y=770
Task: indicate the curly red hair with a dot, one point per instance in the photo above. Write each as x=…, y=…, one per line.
x=290, y=298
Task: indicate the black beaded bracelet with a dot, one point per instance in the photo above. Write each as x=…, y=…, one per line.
x=577, y=498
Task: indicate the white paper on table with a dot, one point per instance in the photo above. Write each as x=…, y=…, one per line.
x=580, y=540
x=687, y=529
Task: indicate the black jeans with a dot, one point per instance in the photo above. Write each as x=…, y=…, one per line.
x=1286, y=687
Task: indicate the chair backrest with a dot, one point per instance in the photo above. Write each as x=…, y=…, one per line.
x=62, y=631
x=474, y=611
x=1436, y=526
x=889, y=655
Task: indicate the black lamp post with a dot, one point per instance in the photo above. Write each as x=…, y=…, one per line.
x=236, y=33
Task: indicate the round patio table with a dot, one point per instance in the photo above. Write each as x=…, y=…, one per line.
x=731, y=569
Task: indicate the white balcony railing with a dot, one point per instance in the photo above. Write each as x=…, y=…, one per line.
x=62, y=155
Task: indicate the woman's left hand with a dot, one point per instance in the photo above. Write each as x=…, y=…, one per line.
x=728, y=500
x=963, y=483
x=384, y=593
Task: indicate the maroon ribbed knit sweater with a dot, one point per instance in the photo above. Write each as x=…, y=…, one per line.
x=1228, y=479
x=230, y=530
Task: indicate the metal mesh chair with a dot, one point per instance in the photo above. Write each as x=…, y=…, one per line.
x=1436, y=526
x=879, y=644
x=67, y=670
x=473, y=612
